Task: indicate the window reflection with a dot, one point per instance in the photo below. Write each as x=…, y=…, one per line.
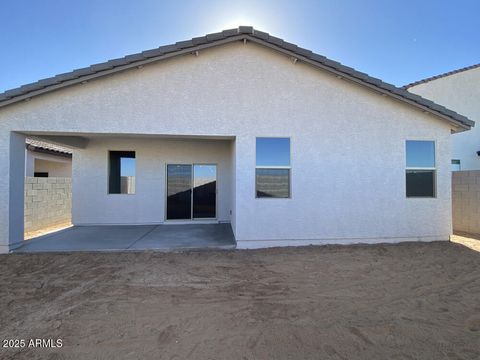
x=272, y=174
x=273, y=152
x=204, y=191
x=420, y=154
x=179, y=190
x=420, y=171
x=273, y=183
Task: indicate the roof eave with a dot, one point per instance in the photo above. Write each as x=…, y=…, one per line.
x=227, y=36
x=440, y=76
x=135, y=64
x=457, y=124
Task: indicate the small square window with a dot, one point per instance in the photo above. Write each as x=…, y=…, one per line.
x=274, y=183
x=420, y=154
x=273, y=152
x=456, y=165
x=420, y=183
x=122, y=172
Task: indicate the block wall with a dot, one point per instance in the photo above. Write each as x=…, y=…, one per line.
x=466, y=201
x=48, y=202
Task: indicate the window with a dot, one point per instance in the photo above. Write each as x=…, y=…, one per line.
x=456, y=165
x=122, y=172
x=420, y=172
x=272, y=172
x=40, y=174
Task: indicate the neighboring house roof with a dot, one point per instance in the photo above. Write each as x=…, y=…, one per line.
x=415, y=83
x=42, y=146
x=245, y=33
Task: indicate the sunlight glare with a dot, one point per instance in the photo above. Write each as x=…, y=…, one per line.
x=244, y=20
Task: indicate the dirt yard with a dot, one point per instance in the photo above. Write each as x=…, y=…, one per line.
x=408, y=301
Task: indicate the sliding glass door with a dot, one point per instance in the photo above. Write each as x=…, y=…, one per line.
x=191, y=191
x=179, y=192
x=204, y=191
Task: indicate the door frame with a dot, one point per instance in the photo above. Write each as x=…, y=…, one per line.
x=192, y=219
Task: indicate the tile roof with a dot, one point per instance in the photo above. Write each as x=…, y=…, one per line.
x=47, y=146
x=246, y=33
x=423, y=81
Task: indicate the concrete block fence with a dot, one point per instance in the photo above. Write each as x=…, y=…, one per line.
x=48, y=202
x=466, y=201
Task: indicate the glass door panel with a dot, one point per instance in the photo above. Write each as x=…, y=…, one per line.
x=204, y=191
x=179, y=192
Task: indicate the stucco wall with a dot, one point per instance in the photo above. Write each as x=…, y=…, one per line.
x=348, y=145
x=54, y=169
x=93, y=204
x=459, y=92
x=233, y=190
x=48, y=202
x=55, y=166
x=466, y=197
x=12, y=173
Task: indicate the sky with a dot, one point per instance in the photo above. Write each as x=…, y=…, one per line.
x=396, y=41
x=273, y=151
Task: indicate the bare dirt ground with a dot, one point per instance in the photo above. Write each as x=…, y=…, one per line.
x=408, y=301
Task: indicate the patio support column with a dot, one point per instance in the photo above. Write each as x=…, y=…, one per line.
x=12, y=175
x=244, y=186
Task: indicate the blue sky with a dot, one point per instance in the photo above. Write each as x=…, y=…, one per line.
x=397, y=41
x=420, y=154
x=273, y=152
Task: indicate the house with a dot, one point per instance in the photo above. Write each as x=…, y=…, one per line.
x=47, y=160
x=287, y=146
x=459, y=90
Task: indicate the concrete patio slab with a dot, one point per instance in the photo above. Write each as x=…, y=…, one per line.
x=133, y=237
x=187, y=237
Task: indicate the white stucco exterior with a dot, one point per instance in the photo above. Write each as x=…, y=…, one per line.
x=55, y=166
x=148, y=204
x=459, y=92
x=347, y=148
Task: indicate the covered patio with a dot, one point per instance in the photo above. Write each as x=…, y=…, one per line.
x=133, y=237
x=182, y=181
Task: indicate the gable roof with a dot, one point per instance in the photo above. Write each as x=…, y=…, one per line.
x=244, y=33
x=453, y=72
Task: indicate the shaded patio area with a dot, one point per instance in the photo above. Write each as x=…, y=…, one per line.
x=133, y=237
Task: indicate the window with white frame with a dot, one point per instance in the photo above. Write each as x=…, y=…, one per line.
x=420, y=170
x=456, y=165
x=272, y=171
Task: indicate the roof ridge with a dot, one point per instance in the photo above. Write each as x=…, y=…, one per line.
x=241, y=33
x=439, y=76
